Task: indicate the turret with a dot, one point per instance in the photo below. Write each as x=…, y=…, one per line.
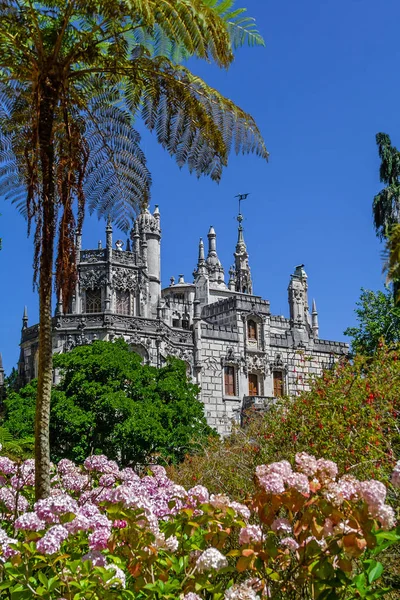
x=214, y=267
x=314, y=320
x=150, y=236
x=298, y=302
x=243, y=281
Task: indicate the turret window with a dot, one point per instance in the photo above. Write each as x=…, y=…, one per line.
x=252, y=330
x=93, y=300
x=230, y=380
x=123, y=302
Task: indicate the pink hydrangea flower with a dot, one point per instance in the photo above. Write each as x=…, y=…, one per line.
x=211, y=559
x=290, y=543
x=395, y=479
x=52, y=540
x=191, y=596
x=272, y=483
x=6, y=550
x=119, y=579
x=49, y=509
x=98, y=540
x=281, y=526
x=241, y=591
x=7, y=466
x=299, y=482
x=326, y=470
x=306, y=463
x=241, y=509
x=250, y=534
x=80, y=523
x=29, y=522
x=199, y=492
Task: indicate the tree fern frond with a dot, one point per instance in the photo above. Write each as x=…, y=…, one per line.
x=117, y=181
x=215, y=122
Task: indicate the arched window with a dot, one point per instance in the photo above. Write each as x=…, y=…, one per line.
x=123, y=302
x=252, y=330
x=93, y=301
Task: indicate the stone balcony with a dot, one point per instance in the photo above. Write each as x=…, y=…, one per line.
x=256, y=404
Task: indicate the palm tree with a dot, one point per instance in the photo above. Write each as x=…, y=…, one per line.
x=386, y=205
x=74, y=74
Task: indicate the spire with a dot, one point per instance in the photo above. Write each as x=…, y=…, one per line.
x=243, y=281
x=25, y=318
x=214, y=267
x=201, y=268
x=314, y=320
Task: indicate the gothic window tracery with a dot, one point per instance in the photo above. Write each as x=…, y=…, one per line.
x=93, y=300
x=123, y=302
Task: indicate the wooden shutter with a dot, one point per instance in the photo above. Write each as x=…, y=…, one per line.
x=253, y=384
x=278, y=384
x=229, y=373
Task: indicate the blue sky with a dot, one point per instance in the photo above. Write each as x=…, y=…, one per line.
x=320, y=90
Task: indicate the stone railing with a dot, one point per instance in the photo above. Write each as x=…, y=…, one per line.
x=92, y=255
x=257, y=402
x=123, y=257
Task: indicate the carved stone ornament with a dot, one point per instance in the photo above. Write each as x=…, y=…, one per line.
x=278, y=364
x=92, y=278
x=124, y=279
x=230, y=358
x=257, y=362
x=181, y=353
x=212, y=364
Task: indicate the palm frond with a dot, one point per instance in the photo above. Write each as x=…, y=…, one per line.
x=193, y=121
x=117, y=179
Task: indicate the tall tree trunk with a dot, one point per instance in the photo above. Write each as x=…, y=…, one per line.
x=47, y=104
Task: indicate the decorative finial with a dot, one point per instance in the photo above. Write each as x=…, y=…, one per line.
x=172, y=280
x=241, y=197
x=181, y=279
x=100, y=245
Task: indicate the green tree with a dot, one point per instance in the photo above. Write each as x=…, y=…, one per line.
x=386, y=205
x=73, y=76
x=350, y=416
x=108, y=402
x=378, y=319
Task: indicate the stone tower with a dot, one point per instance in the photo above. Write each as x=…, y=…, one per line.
x=242, y=275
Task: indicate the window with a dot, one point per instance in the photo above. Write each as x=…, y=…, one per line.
x=123, y=302
x=253, y=384
x=229, y=375
x=176, y=323
x=252, y=330
x=185, y=324
x=93, y=301
x=278, y=384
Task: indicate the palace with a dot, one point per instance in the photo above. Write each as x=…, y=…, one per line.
x=235, y=349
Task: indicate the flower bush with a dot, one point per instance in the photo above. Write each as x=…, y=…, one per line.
x=105, y=532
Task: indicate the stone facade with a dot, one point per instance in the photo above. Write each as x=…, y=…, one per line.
x=235, y=349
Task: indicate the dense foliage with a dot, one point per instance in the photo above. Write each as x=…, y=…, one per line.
x=108, y=400
x=350, y=415
x=378, y=320
x=106, y=533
